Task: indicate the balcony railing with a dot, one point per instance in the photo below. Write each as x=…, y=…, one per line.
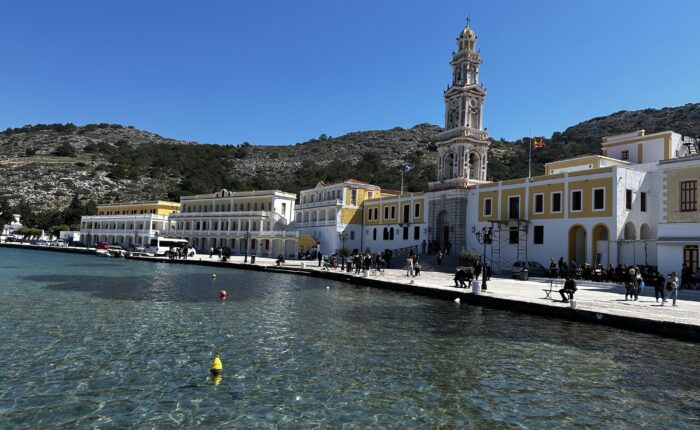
x=329, y=202
x=227, y=233
x=463, y=132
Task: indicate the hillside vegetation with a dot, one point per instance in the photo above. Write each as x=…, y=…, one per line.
x=50, y=173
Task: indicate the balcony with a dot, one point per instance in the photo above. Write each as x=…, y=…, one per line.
x=315, y=223
x=330, y=202
x=234, y=234
x=464, y=132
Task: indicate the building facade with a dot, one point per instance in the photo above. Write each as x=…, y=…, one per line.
x=252, y=222
x=331, y=214
x=128, y=224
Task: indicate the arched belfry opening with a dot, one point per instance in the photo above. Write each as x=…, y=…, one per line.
x=448, y=166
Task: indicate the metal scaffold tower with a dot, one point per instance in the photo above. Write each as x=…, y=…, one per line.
x=508, y=233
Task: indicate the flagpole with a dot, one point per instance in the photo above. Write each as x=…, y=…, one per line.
x=529, y=157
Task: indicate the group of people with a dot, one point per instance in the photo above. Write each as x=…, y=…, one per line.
x=178, y=252
x=465, y=274
x=413, y=265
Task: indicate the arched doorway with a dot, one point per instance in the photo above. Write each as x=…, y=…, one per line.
x=630, y=233
x=600, y=244
x=577, y=244
x=645, y=232
x=442, y=229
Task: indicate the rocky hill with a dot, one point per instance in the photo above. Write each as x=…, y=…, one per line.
x=46, y=168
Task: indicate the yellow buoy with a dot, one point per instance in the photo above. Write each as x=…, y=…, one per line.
x=216, y=366
x=216, y=380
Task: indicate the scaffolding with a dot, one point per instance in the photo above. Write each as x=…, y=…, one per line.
x=506, y=233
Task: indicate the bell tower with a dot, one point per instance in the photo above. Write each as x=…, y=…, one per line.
x=463, y=146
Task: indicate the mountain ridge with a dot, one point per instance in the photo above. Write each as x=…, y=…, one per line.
x=45, y=169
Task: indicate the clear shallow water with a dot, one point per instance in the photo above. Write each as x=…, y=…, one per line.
x=91, y=342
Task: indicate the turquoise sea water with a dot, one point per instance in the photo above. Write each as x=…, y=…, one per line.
x=92, y=342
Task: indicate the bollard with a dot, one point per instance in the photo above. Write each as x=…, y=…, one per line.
x=476, y=287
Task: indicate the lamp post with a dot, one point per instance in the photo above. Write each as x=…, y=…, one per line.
x=343, y=236
x=484, y=237
x=246, y=236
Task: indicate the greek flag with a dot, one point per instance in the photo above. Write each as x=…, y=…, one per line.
x=406, y=167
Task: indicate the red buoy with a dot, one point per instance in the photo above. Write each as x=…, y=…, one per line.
x=222, y=294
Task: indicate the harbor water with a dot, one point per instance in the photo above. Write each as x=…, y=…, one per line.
x=90, y=342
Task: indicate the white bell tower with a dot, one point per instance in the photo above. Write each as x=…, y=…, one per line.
x=463, y=146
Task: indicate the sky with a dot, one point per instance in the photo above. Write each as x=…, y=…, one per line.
x=280, y=72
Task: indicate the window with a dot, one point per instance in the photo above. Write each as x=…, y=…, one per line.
x=391, y=233
x=375, y=213
x=625, y=155
x=416, y=232
x=513, y=236
x=406, y=213
x=643, y=201
x=353, y=197
x=405, y=233
x=374, y=234
x=487, y=206
x=539, y=235
x=539, y=203
x=514, y=207
x=688, y=196
x=576, y=201
x=416, y=210
x=628, y=199
x=386, y=212
x=393, y=212
x=598, y=199
x=352, y=235
x=690, y=257
x=369, y=214
x=385, y=235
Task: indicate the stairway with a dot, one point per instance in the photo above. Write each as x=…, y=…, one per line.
x=429, y=263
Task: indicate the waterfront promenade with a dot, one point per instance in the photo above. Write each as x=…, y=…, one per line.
x=601, y=303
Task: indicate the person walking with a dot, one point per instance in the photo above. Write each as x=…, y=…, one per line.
x=659, y=290
x=477, y=270
x=422, y=246
x=319, y=255
x=672, y=285
x=637, y=282
x=416, y=265
x=487, y=271
x=439, y=258
x=409, y=265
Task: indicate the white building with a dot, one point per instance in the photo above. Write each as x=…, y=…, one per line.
x=12, y=227
x=127, y=224
x=245, y=221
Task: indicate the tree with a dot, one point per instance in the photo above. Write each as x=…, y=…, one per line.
x=66, y=150
x=56, y=229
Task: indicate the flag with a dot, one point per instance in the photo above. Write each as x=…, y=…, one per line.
x=406, y=167
x=539, y=143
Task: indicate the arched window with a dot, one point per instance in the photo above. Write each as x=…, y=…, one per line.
x=374, y=234
x=391, y=233
x=473, y=165
x=385, y=235
x=447, y=166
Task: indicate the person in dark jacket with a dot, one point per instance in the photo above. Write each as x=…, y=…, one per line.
x=569, y=289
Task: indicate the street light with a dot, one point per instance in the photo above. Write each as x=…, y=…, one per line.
x=484, y=237
x=343, y=236
x=246, y=236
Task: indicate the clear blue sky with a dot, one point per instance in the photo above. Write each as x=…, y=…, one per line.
x=281, y=72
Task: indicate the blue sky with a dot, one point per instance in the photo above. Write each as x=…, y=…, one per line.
x=281, y=72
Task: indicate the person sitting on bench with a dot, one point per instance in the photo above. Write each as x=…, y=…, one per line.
x=569, y=288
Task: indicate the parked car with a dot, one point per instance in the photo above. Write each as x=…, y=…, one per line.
x=533, y=268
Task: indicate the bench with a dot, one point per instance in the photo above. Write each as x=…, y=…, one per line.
x=552, y=284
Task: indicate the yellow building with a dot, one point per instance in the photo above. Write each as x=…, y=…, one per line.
x=158, y=207
x=128, y=224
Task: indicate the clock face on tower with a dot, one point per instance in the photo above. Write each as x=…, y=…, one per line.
x=454, y=103
x=473, y=103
